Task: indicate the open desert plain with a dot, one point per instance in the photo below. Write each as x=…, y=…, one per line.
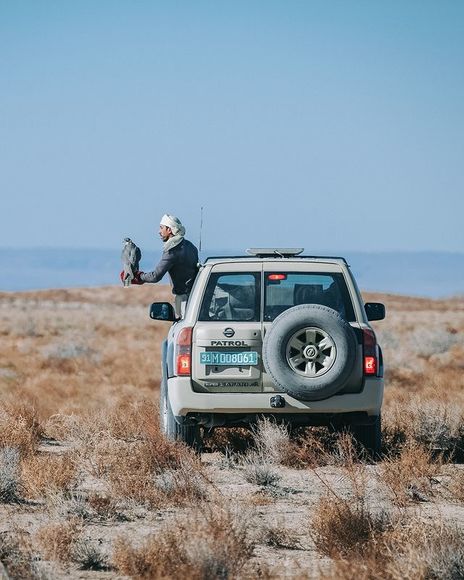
x=90, y=488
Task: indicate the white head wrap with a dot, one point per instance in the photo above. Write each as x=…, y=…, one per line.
x=174, y=223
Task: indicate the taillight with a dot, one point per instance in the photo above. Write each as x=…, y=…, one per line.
x=184, y=352
x=276, y=277
x=370, y=352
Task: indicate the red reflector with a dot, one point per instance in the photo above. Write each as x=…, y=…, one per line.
x=371, y=352
x=183, y=364
x=277, y=277
x=370, y=365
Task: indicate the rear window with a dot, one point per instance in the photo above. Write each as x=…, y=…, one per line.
x=232, y=297
x=284, y=290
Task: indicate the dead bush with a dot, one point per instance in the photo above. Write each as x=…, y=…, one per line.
x=88, y=555
x=49, y=474
x=271, y=440
x=17, y=556
x=259, y=470
x=154, y=475
x=57, y=539
x=311, y=447
x=410, y=476
x=277, y=535
x=19, y=427
x=228, y=439
x=342, y=527
x=10, y=484
x=408, y=550
x=435, y=425
x=212, y=542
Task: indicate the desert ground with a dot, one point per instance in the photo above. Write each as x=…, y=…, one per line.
x=89, y=488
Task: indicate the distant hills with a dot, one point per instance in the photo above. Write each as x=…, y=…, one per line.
x=431, y=274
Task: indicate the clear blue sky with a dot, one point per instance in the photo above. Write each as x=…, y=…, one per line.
x=335, y=125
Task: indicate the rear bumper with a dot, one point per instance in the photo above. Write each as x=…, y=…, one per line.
x=184, y=400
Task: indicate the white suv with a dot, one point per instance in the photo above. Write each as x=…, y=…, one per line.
x=272, y=333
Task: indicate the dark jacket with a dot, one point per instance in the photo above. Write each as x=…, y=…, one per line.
x=181, y=262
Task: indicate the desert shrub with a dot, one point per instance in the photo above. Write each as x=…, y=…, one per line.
x=277, y=535
x=457, y=485
x=341, y=527
x=228, y=439
x=17, y=556
x=410, y=475
x=182, y=485
x=154, y=474
x=103, y=507
x=19, y=427
x=57, y=539
x=259, y=470
x=88, y=555
x=408, y=550
x=271, y=440
x=206, y=543
x=10, y=484
x=160, y=487
x=437, y=426
x=49, y=474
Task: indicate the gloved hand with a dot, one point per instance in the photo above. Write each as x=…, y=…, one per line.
x=136, y=279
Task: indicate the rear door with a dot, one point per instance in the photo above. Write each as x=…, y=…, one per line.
x=227, y=338
x=293, y=283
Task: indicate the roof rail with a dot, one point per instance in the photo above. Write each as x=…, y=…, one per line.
x=250, y=257
x=274, y=252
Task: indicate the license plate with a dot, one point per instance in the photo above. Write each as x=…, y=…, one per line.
x=229, y=358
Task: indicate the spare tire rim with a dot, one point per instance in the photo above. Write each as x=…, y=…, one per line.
x=310, y=352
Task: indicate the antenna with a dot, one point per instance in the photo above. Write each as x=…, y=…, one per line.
x=201, y=227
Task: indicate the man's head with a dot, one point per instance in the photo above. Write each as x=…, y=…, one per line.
x=170, y=226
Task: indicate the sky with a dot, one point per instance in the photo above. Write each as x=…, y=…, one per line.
x=331, y=124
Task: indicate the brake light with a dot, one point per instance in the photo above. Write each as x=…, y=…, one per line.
x=370, y=352
x=184, y=352
x=277, y=277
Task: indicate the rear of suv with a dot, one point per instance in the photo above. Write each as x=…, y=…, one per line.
x=275, y=334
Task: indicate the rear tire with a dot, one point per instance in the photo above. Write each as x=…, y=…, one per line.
x=190, y=435
x=370, y=437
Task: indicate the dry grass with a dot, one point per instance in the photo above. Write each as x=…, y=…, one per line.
x=17, y=556
x=10, y=485
x=82, y=367
x=210, y=542
x=410, y=476
x=407, y=550
x=57, y=539
x=47, y=474
x=19, y=427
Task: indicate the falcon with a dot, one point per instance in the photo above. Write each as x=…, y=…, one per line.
x=130, y=257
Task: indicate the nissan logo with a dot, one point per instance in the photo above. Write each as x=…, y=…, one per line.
x=229, y=332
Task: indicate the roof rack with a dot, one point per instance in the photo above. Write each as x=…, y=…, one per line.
x=274, y=255
x=274, y=252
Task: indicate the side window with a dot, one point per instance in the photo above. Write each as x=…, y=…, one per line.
x=284, y=290
x=231, y=297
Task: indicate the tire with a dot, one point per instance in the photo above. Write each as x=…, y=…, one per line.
x=324, y=343
x=188, y=434
x=370, y=437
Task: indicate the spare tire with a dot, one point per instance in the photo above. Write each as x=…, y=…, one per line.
x=310, y=352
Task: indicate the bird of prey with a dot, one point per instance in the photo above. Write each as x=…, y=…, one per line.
x=130, y=257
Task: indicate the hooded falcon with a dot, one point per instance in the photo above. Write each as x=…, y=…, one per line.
x=130, y=257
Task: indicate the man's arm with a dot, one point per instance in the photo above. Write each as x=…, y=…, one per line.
x=164, y=265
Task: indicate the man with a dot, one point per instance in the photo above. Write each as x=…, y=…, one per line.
x=179, y=259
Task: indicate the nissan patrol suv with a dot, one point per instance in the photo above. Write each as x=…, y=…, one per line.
x=272, y=333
